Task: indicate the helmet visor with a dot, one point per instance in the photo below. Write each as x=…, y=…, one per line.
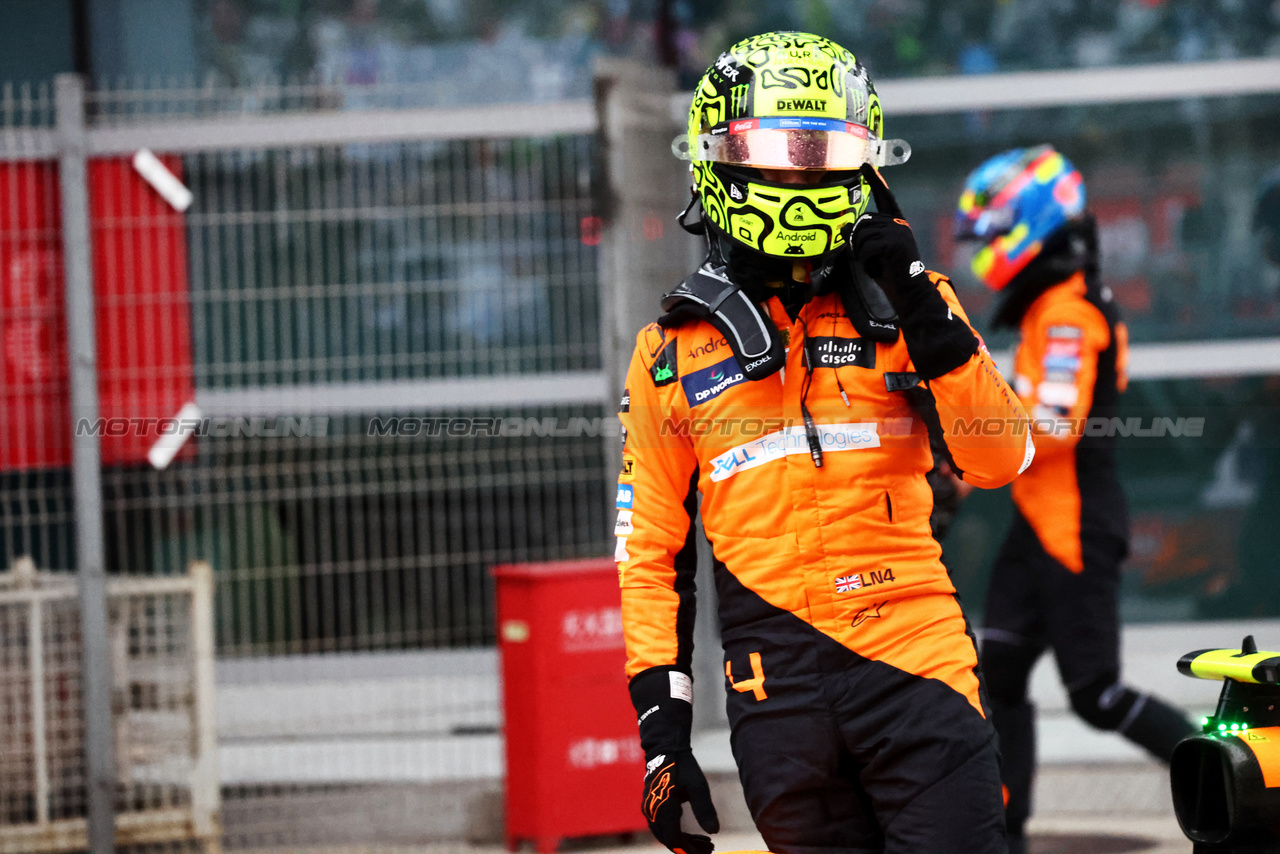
x=984, y=224
x=799, y=143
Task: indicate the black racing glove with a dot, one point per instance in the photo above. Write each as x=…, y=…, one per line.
x=663, y=699
x=882, y=242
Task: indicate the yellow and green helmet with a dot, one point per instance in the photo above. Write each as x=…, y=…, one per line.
x=785, y=100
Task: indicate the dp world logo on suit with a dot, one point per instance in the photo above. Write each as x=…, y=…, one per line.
x=708, y=383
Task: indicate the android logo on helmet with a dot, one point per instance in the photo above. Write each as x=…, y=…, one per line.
x=785, y=100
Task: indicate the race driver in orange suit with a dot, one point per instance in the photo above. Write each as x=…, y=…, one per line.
x=791, y=384
x=1055, y=582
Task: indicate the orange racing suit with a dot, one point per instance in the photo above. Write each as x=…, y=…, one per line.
x=1071, y=363
x=838, y=620
x=1055, y=583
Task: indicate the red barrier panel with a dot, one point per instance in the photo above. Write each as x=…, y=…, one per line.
x=142, y=303
x=34, y=398
x=573, y=761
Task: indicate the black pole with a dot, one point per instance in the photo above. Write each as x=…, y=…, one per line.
x=665, y=35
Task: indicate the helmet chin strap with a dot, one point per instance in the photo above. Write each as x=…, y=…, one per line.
x=698, y=226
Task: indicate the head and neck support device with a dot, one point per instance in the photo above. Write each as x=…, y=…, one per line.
x=711, y=295
x=1226, y=780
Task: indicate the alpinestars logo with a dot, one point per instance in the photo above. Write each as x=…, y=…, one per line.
x=917, y=267
x=872, y=613
x=660, y=787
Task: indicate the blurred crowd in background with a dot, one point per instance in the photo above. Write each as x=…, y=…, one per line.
x=513, y=50
x=543, y=48
x=367, y=41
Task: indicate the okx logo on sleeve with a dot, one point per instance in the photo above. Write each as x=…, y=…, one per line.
x=708, y=383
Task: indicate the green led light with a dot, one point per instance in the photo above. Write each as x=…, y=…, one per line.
x=1204, y=722
x=1244, y=726
x=1221, y=727
x=1235, y=727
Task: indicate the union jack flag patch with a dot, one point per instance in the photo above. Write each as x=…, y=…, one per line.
x=846, y=583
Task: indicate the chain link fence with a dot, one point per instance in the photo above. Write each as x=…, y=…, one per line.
x=362, y=367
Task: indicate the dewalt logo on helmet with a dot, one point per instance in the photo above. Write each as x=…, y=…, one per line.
x=812, y=105
x=783, y=100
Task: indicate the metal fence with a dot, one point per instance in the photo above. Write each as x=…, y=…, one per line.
x=161, y=643
x=360, y=369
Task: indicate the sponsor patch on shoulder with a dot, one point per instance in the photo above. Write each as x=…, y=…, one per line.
x=1065, y=331
x=664, y=367
x=709, y=383
x=626, y=496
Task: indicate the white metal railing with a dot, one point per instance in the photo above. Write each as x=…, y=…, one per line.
x=329, y=127
x=1027, y=90
x=163, y=684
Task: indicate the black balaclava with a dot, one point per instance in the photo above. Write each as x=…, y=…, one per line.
x=762, y=276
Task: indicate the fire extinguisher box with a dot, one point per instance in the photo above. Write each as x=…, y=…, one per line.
x=574, y=766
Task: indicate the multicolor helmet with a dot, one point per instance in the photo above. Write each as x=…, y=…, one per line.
x=1012, y=203
x=785, y=100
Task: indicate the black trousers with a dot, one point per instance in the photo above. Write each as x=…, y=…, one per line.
x=847, y=754
x=1035, y=603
